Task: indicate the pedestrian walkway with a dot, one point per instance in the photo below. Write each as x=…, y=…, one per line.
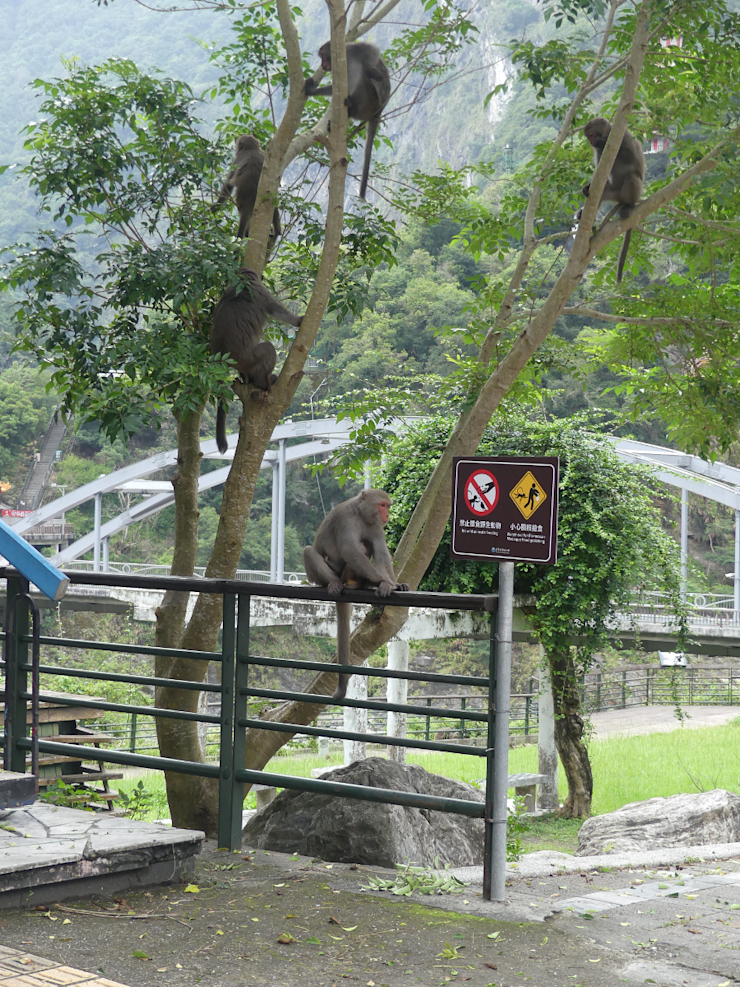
x=658, y=719
x=26, y=970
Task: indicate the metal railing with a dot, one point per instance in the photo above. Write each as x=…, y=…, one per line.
x=234, y=690
x=652, y=685
x=710, y=609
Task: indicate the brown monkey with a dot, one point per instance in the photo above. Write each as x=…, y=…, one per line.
x=625, y=182
x=368, y=90
x=244, y=176
x=238, y=321
x=349, y=537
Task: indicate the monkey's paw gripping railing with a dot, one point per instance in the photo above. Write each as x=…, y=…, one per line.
x=234, y=691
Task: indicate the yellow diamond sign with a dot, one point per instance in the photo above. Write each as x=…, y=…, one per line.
x=528, y=495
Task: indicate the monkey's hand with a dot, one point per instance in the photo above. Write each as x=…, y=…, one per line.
x=335, y=587
x=402, y=587
x=586, y=189
x=384, y=588
x=310, y=87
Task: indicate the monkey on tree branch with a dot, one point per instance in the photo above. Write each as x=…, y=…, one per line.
x=350, y=550
x=368, y=89
x=239, y=319
x=244, y=179
x=626, y=179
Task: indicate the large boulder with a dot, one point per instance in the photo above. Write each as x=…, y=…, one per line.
x=355, y=831
x=680, y=820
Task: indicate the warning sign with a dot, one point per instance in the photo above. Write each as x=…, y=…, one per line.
x=528, y=495
x=481, y=492
x=505, y=508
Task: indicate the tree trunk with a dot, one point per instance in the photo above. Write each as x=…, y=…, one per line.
x=192, y=800
x=179, y=738
x=569, y=736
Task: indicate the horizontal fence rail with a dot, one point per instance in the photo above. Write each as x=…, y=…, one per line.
x=224, y=705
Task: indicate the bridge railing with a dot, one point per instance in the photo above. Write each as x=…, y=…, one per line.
x=151, y=569
x=705, y=609
x=239, y=698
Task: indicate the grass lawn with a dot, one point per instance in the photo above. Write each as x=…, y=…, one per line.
x=625, y=769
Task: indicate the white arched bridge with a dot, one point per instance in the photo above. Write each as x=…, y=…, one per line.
x=715, y=617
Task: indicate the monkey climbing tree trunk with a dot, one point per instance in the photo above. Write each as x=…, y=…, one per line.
x=572, y=750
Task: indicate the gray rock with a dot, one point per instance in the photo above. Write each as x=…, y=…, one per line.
x=354, y=831
x=681, y=820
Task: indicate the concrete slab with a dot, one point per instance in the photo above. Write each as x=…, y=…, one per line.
x=15, y=789
x=48, y=853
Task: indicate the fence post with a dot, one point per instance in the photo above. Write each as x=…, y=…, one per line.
x=132, y=746
x=462, y=722
x=16, y=680
x=598, y=692
x=226, y=749
x=240, y=713
x=624, y=690
x=428, y=719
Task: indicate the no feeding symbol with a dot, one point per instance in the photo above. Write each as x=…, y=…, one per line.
x=481, y=492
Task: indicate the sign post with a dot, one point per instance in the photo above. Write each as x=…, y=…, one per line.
x=503, y=508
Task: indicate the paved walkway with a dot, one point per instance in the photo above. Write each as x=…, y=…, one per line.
x=659, y=719
x=19, y=969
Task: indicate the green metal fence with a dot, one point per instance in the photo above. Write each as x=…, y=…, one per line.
x=234, y=690
x=653, y=685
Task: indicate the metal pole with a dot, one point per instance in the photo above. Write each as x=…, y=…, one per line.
x=274, y=529
x=98, y=519
x=226, y=838
x=281, y=514
x=368, y=477
x=736, y=603
x=684, y=540
x=494, y=872
x=106, y=546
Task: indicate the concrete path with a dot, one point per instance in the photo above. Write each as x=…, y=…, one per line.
x=265, y=919
x=659, y=719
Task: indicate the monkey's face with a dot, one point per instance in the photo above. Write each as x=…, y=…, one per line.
x=384, y=507
x=325, y=56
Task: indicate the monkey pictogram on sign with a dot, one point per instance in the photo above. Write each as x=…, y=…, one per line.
x=481, y=492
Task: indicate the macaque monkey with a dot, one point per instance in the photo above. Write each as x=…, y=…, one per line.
x=350, y=550
x=238, y=321
x=244, y=176
x=626, y=179
x=368, y=89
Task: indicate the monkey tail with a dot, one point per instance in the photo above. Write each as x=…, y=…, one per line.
x=371, y=131
x=344, y=613
x=221, y=442
x=623, y=255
